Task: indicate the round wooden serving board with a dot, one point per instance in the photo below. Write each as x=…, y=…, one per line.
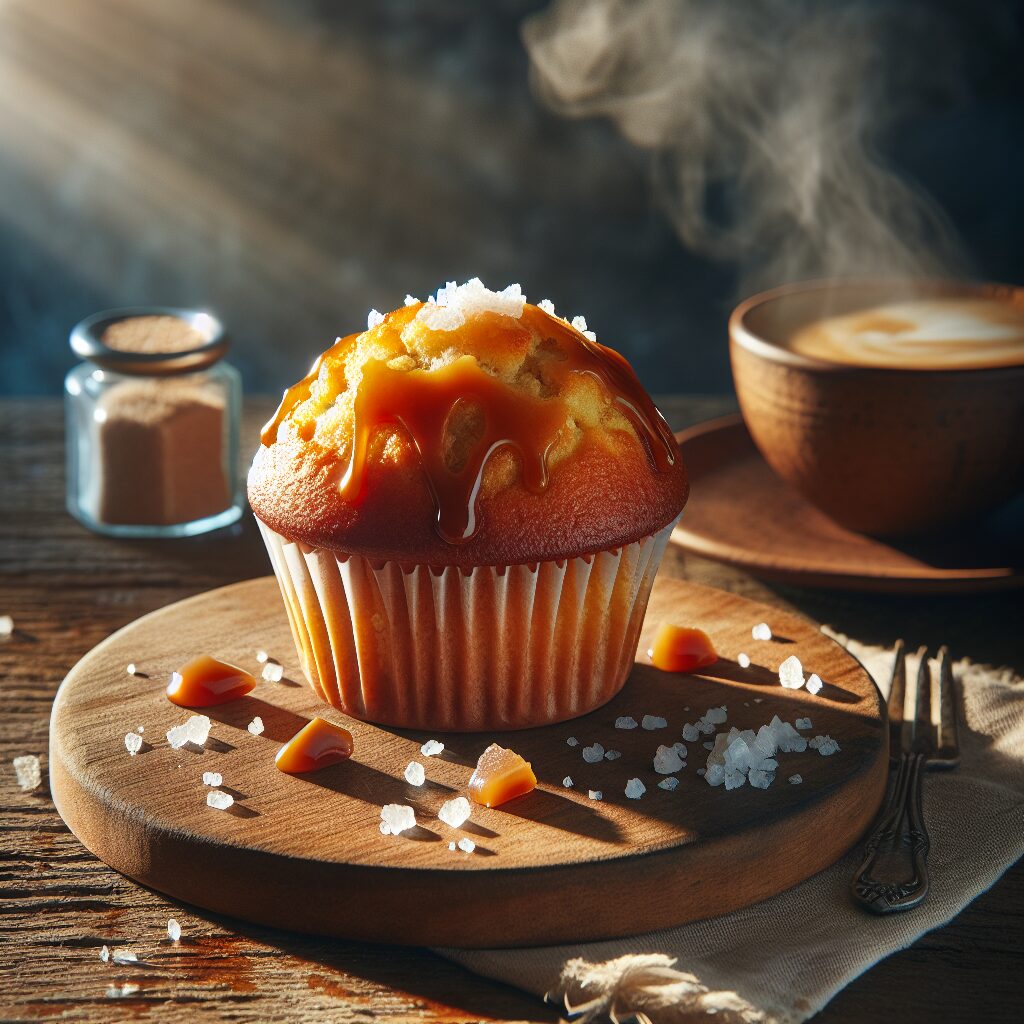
x=306, y=853
x=742, y=514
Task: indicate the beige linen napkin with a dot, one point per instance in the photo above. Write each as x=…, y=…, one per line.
x=783, y=959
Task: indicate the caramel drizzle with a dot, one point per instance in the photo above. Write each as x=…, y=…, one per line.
x=422, y=402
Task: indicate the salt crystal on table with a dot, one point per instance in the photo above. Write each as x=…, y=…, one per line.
x=670, y=783
x=272, y=672
x=795, y=780
x=595, y=794
x=803, y=723
x=133, y=743
x=104, y=954
x=431, y=748
x=221, y=801
x=415, y=774
x=385, y=830
x=6, y=626
x=734, y=778
x=567, y=782
x=611, y=755
x=759, y=778
x=825, y=745
x=791, y=673
x=262, y=656
x=814, y=683
x=127, y=989
x=625, y=722
x=715, y=774
x=398, y=817
x=743, y=660
x=716, y=715
x=572, y=741
x=26, y=767
x=701, y=771
x=197, y=729
x=173, y=930
x=667, y=760
x=256, y=726
x=709, y=746
x=212, y=778
x=455, y=812
x=177, y=736
x=691, y=733
x=141, y=729
x=706, y=727
x=451, y=845
x=635, y=789
x=651, y=722
x=762, y=631
x=679, y=748
x=131, y=669
x=124, y=956
x=593, y=753
x=466, y=845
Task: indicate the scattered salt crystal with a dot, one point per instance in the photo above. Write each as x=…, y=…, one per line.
x=706, y=727
x=221, y=801
x=635, y=789
x=667, y=760
x=177, y=736
x=455, y=812
x=612, y=755
x=173, y=930
x=451, y=845
x=104, y=954
x=547, y=305
x=795, y=780
x=734, y=778
x=679, y=748
x=595, y=794
x=398, y=817
x=701, y=771
x=567, y=782
x=691, y=733
x=411, y=300
x=385, y=830
x=127, y=989
x=131, y=669
x=256, y=726
x=273, y=672
x=825, y=745
x=26, y=767
x=373, y=318
x=212, y=778
x=716, y=716
x=175, y=680
x=133, y=743
x=762, y=631
x=758, y=700
x=124, y=956
x=709, y=746
x=6, y=626
x=670, y=783
x=414, y=773
x=197, y=729
x=572, y=741
x=803, y=723
x=593, y=753
x=653, y=722
x=431, y=748
x=625, y=722
x=791, y=673
x=466, y=845
x=261, y=657
x=760, y=778
x=141, y=729
x=814, y=683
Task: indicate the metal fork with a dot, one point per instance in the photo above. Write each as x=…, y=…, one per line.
x=893, y=875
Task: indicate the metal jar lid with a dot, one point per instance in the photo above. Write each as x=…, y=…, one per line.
x=87, y=341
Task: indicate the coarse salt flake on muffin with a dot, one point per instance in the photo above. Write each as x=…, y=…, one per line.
x=465, y=506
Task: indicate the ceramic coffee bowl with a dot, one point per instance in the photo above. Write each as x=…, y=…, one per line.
x=883, y=451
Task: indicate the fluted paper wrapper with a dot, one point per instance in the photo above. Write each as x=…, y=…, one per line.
x=495, y=647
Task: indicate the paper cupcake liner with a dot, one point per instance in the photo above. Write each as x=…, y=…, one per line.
x=495, y=647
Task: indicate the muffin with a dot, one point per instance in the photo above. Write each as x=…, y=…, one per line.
x=465, y=506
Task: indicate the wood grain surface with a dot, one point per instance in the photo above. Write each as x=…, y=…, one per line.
x=629, y=866
x=67, y=590
x=777, y=533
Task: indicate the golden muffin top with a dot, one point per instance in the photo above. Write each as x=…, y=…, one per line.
x=474, y=428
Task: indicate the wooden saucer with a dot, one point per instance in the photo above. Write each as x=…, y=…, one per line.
x=306, y=852
x=742, y=514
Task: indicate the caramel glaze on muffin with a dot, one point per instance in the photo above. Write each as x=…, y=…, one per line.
x=504, y=441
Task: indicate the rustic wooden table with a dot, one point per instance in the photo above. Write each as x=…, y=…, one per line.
x=68, y=589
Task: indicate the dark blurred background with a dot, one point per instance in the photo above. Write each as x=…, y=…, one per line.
x=290, y=165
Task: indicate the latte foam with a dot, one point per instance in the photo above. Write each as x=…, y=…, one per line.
x=939, y=334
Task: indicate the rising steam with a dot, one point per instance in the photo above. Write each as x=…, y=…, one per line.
x=763, y=116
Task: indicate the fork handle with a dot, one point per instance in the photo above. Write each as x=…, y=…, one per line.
x=894, y=873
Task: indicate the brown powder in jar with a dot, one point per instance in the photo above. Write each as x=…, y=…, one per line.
x=152, y=334
x=159, y=452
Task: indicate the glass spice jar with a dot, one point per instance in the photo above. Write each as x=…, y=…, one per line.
x=152, y=424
